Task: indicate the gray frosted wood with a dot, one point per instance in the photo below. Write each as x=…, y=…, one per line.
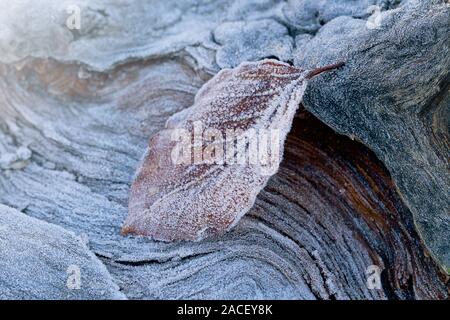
x=393, y=95
x=71, y=139
x=151, y=29
x=234, y=38
x=37, y=260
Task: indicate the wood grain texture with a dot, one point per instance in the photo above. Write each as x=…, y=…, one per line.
x=71, y=139
x=44, y=261
x=393, y=95
x=328, y=214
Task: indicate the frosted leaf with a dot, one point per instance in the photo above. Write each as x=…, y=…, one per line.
x=202, y=173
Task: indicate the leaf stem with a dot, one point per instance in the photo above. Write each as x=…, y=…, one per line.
x=318, y=71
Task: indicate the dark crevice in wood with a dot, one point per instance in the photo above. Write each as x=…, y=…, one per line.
x=348, y=183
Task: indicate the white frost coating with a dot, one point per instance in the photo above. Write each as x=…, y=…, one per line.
x=235, y=37
x=113, y=32
x=310, y=15
x=15, y=160
x=39, y=29
x=193, y=201
x=109, y=137
x=36, y=259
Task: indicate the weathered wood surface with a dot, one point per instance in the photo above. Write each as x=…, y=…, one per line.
x=394, y=96
x=71, y=138
x=44, y=261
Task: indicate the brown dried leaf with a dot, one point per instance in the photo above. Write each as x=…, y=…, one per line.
x=207, y=189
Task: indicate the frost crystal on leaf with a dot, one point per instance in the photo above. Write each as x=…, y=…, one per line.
x=218, y=180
